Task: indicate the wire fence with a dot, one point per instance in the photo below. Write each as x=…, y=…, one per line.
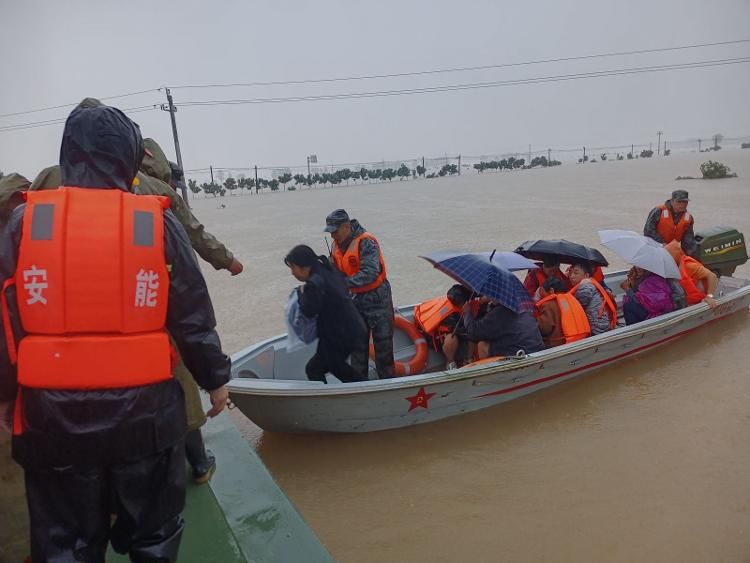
x=210, y=180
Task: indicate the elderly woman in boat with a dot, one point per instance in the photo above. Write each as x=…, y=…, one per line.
x=326, y=298
x=647, y=295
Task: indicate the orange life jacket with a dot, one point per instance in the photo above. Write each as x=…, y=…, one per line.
x=666, y=227
x=692, y=291
x=93, y=307
x=430, y=316
x=348, y=262
x=607, y=303
x=541, y=277
x=573, y=321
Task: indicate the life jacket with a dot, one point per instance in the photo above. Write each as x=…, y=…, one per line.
x=573, y=321
x=607, y=303
x=693, y=292
x=430, y=316
x=666, y=227
x=349, y=262
x=93, y=308
x=541, y=277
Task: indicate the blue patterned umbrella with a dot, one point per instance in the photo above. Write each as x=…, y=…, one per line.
x=483, y=274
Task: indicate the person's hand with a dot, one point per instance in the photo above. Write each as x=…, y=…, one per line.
x=625, y=284
x=467, y=307
x=235, y=267
x=219, y=398
x=710, y=301
x=6, y=416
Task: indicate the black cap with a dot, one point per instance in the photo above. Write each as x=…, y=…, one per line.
x=335, y=219
x=680, y=195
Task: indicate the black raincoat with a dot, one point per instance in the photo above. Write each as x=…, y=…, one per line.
x=86, y=440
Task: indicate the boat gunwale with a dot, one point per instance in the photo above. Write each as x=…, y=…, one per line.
x=301, y=388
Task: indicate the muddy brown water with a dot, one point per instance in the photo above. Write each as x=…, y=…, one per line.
x=648, y=460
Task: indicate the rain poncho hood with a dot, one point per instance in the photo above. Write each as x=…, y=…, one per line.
x=101, y=148
x=9, y=186
x=155, y=163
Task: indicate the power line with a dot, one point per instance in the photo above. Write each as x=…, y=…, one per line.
x=471, y=86
x=461, y=69
x=57, y=121
x=76, y=103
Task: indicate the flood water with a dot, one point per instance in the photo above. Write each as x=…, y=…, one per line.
x=647, y=460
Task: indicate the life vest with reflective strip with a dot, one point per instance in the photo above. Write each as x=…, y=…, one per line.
x=349, y=262
x=667, y=228
x=607, y=303
x=573, y=321
x=92, y=288
x=692, y=291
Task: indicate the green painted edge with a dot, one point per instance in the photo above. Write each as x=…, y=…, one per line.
x=267, y=526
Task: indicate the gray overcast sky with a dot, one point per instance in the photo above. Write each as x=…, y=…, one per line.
x=59, y=52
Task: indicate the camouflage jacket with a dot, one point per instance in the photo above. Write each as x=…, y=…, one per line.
x=204, y=243
x=369, y=270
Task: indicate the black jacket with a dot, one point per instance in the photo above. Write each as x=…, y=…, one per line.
x=326, y=295
x=506, y=331
x=99, y=427
x=688, y=243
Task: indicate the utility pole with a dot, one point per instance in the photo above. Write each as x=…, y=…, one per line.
x=169, y=106
x=699, y=145
x=632, y=150
x=529, y=161
x=256, y=179
x=308, y=166
x=459, y=164
x=211, y=168
x=549, y=156
x=584, y=154
x=658, y=144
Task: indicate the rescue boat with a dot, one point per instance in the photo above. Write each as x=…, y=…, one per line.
x=269, y=384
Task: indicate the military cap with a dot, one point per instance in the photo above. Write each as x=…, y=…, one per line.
x=680, y=195
x=335, y=219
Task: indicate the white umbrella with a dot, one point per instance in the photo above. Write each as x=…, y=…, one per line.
x=641, y=251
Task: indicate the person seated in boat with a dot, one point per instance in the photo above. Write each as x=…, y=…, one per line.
x=647, y=295
x=502, y=332
x=560, y=316
x=698, y=282
x=456, y=346
x=550, y=267
x=341, y=328
x=596, y=301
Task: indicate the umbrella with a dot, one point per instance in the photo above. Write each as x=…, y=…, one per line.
x=481, y=273
x=566, y=251
x=641, y=251
x=508, y=260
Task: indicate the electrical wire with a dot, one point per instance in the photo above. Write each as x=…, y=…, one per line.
x=73, y=104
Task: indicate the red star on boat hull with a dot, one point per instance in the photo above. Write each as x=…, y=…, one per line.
x=421, y=399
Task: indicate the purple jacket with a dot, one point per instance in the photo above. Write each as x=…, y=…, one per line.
x=655, y=295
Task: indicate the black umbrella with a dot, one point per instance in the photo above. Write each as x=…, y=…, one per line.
x=566, y=251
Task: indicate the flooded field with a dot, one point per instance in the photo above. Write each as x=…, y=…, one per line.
x=643, y=461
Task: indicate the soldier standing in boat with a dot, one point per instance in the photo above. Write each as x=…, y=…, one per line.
x=671, y=221
x=356, y=253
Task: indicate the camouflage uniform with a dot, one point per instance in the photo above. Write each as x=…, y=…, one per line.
x=375, y=306
x=10, y=185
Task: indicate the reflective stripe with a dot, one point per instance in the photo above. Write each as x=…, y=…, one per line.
x=143, y=228
x=420, y=341
x=41, y=221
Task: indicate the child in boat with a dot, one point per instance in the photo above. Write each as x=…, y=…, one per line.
x=560, y=317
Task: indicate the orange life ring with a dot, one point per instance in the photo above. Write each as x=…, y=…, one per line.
x=419, y=361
